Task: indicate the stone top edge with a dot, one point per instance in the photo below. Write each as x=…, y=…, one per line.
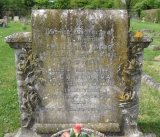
x=145, y=38
x=80, y=9
x=118, y=13
x=19, y=37
x=27, y=37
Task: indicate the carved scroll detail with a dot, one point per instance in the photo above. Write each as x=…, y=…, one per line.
x=127, y=71
x=28, y=69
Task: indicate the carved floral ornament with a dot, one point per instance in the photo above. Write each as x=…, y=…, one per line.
x=128, y=71
x=28, y=69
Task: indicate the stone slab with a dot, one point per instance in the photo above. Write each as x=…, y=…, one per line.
x=80, y=51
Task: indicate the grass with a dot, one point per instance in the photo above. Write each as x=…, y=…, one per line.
x=9, y=109
x=149, y=113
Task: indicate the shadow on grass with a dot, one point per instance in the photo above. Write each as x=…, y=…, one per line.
x=152, y=127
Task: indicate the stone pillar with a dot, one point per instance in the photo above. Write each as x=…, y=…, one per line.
x=5, y=23
x=24, y=57
x=133, y=71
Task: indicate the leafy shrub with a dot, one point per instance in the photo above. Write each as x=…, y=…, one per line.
x=151, y=15
x=143, y=14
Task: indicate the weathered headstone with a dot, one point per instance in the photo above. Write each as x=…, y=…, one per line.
x=143, y=19
x=24, y=20
x=21, y=19
x=16, y=18
x=5, y=23
x=79, y=66
x=1, y=23
x=80, y=51
x=10, y=19
x=155, y=20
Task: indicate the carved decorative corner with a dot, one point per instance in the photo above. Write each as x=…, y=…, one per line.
x=28, y=68
x=127, y=72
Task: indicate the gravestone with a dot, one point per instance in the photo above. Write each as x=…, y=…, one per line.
x=10, y=19
x=143, y=19
x=21, y=19
x=1, y=23
x=16, y=18
x=5, y=23
x=24, y=20
x=78, y=66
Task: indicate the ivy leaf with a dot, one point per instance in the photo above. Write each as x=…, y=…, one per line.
x=72, y=134
x=83, y=135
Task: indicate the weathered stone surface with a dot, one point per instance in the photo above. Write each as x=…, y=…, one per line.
x=154, y=47
x=150, y=82
x=10, y=135
x=23, y=132
x=81, y=52
x=53, y=128
x=5, y=23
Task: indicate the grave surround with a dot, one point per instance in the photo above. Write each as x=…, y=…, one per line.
x=74, y=67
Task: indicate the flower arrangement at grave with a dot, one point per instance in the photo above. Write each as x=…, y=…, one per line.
x=76, y=132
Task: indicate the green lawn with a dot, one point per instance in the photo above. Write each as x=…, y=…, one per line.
x=9, y=109
x=149, y=113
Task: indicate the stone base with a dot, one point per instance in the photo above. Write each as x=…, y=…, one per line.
x=149, y=135
x=23, y=132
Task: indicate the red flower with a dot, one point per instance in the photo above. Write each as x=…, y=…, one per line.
x=65, y=134
x=77, y=129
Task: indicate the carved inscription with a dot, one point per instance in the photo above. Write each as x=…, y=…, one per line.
x=82, y=77
x=80, y=54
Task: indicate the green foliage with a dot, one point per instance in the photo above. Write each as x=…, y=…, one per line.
x=158, y=11
x=72, y=134
x=137, y=5
x=61, y=4
x=92, y=4
x=143, y=13
x=80, y=3
x=29, y=3
x=151, y=15
x=41, y=3
x=146, y=4
x=102, y=4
